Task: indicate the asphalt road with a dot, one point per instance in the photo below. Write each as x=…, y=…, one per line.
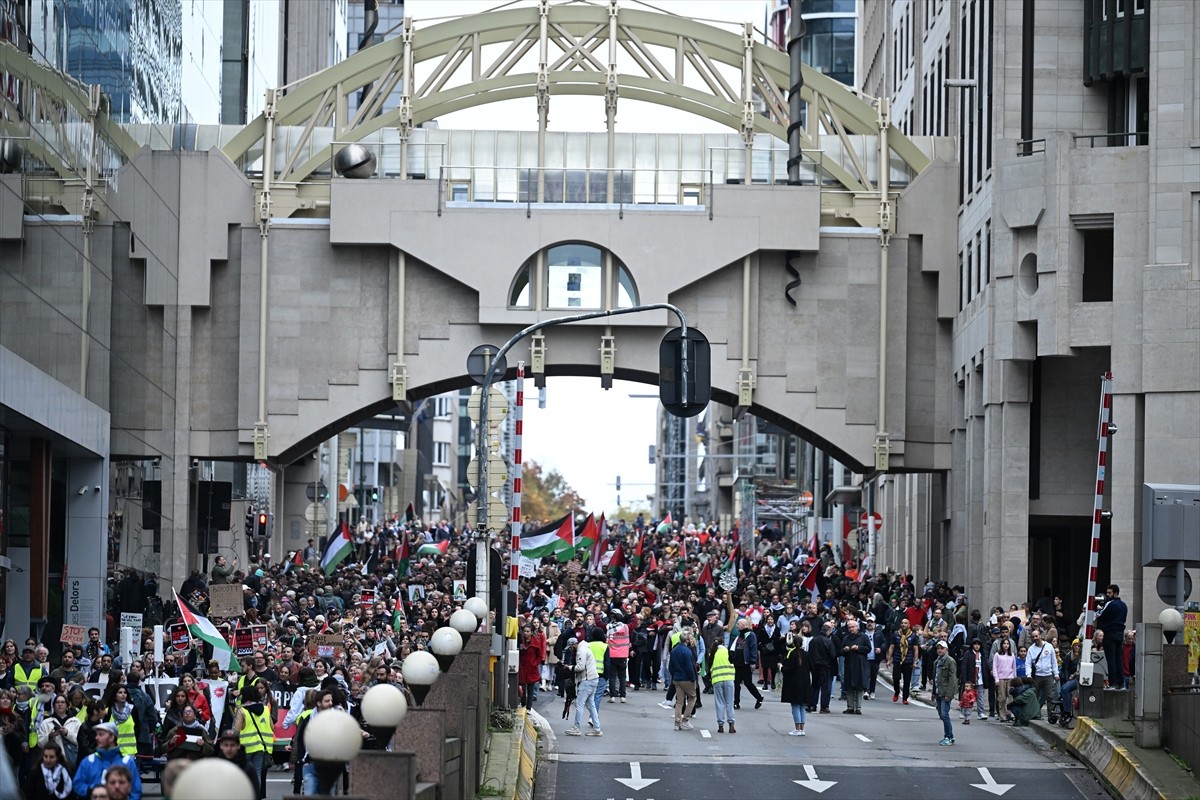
x=890, y=751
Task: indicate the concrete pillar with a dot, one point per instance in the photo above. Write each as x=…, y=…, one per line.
x=87, y=542
x=1005, y=531
x=1126, y=474
x=178, y=543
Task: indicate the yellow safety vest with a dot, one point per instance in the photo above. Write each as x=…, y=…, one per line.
x=23, y=678
x=722, y=670
x=258, y=733
x=598, y=649
x=127, y=737
x=33, y=706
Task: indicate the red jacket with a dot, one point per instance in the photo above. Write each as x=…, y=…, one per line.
x=532, y=655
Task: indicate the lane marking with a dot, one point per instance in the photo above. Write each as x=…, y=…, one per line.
x=705, y=734
x=861, y=738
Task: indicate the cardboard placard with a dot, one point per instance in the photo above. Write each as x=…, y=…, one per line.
x=133, y=620
x=180, y=638
x=243, y=642
x=225, y=600
x=460, y=589
x=366, y=597
x=72, y=634
x=326, y=645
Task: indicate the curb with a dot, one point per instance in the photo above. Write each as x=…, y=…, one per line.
x=526, y=747
x=1105, y=757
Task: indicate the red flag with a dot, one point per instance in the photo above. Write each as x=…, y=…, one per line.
x=637, y=550
x=810, y=580
x=705, y=578
x=652, y=564
x=683, y=548
x=618, y=557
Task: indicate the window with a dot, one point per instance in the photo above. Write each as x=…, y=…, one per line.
x=1097, y=265
x=576, y=277
x=441, y=453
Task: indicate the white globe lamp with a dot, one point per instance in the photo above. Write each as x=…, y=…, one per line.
x=332, y=738
x=478, y=607
x=383, y=707
x=421, y=671
x=446, y=643
x=215, y=777
x=465, y=622
x=1172, y=623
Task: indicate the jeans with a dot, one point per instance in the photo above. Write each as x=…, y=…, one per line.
x=798, y=715
x=309, y=779
x=723, y=699
x=601, y=691
x=585, y=699
x=943, y=709
x=259, y=762
x=915, y=669
x=1064, y=695
x=874, y=663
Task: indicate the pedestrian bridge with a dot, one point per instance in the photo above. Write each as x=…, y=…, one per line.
x=224, y=293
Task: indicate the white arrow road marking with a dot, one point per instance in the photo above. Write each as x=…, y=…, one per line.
x=635, y=780
x=817, y=786
x=861, y=737
x=990, y=785
x=705, y=734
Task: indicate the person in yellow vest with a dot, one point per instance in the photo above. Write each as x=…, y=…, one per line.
x=721, y=676
x=123, y=714
x=27, y=672
x=256, y=728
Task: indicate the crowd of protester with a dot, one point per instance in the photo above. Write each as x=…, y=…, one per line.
x=78, y=720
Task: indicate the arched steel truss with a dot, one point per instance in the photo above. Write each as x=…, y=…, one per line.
x=575, y=57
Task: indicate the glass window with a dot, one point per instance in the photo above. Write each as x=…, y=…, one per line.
x=627, y=296
x=574, y=275
x=518, y=296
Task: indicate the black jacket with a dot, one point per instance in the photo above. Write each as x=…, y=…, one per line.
x=821, y=652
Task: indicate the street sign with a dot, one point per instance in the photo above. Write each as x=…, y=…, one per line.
x=497, y=406
x=316, y=513
x=865, y=521
x=316, y=492
x=806, y=499
x=343, y=492
x=481, y=358
x=1167, y=583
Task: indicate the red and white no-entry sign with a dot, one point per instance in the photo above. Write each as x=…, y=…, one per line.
x=865, y=520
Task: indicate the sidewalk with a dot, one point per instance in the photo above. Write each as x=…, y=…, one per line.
x=1106, y=747
x=511, y=760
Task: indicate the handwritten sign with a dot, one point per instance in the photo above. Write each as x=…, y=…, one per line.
x=72, y=634
x=225, y=600
x=326, y=645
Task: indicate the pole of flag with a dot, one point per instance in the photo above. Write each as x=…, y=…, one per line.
x=514, y=566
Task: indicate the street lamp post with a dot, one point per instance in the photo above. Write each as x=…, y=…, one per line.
x=509, y=597
x=332, y=739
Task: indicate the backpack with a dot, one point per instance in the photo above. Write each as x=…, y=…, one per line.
x=640, y=640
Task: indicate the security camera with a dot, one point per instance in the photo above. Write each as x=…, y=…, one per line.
x=195, y=463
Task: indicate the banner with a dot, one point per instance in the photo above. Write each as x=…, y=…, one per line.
x=72, y=634
x=217, y=690
x=243, y=642
x=1191, y=638
x=180, y=638
x=460, y=589
x=225, y=600
x=132, y=620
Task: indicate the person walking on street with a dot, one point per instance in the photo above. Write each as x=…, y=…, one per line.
x=683, y=677
x=856, y=672
x=745, y=657
x=586, y=680
x=945, y=688
x=822, y=657
x=721, y=675
x=903, y=652
x=797, y=677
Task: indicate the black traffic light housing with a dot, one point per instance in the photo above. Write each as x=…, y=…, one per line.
x=676, y=397
x=262, y=523
x=374, y=494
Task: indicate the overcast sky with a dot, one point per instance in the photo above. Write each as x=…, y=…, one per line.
x=590, y=435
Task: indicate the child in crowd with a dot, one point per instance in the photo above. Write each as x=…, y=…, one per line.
x=966, y=702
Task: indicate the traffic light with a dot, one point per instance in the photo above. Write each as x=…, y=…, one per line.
x=374, y=494
x=262, y=523
x=251, y=521
x=684, y=393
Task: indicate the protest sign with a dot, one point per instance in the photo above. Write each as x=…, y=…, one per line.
x=325, y=645
x=366, y=597
x=180, y=638
x=243, y=642
x=225, y=600
x=460, y=589
x=72, y=634
x=259, y=634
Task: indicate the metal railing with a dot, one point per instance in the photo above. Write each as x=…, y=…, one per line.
x=611, y=188
x=424, y=157
x=1125, y=139
x=1028, y=147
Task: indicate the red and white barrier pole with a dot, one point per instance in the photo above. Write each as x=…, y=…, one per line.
x=1089, y=622
x=514, y=566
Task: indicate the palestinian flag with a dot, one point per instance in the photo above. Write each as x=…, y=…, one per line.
x=666, y=524
x=706, y=578
x=651, y=563
x=554, y=539
x=410, y=513
x=637, y=551
x=402, y=557
x=587, y=537
x=599, y=558
x=810, y=581
x=434, y=548
x=340, y=546
x=730, y=563
x=295, y=562
x=200, y=628
x=616, y=562
x=398, y=620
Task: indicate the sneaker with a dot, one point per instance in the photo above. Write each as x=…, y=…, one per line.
x=686, y=726
x=612, y=700
x=758, y=704
x=944, y=741
x=795, y=733
x=573, y=731
x=848, y=711
x=737, y=706
x=983, y=716
x=622, y=699
x=906, y=701
x=665, y=704
x=677, y=727
x=966, y=721
x=895, y=698
x=594, y=733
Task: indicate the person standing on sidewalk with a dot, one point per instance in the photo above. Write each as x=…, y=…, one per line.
x=856, y=670
x=945, y=688
x=823, y=657
x=721, y=677
x=904, y=652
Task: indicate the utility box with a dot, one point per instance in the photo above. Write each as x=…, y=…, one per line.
x=1170, y=524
